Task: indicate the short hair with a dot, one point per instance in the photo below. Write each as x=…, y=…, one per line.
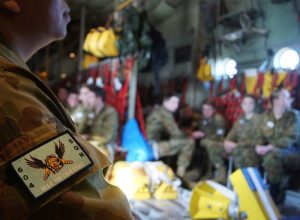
x=208, y=102
x=83, y=85
x=275, y=94
x=170, y=95
x=98, y=91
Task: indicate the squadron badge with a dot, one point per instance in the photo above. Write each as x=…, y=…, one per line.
x=52, y=163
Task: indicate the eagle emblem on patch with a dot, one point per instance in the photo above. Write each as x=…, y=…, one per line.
x=52, y=163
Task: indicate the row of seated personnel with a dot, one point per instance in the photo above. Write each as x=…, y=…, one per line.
x=269, y=140
x=95, y=121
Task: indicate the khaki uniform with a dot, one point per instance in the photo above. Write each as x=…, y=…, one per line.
x=282, y=134
x=245, y=132
x=29, y=115
x=162, y=128
x=79, y=115
x=214, y=130
x=103, y=128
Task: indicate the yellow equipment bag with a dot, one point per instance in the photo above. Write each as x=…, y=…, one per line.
x=132, y=179
x=254, y=198
x=101, y=42
x=89, y=60
x=210, y=200
x=107, y=44
x=204, y=71
x=250, y=199
x=267, y=86
x=91, y=41
x=250, y=84
x=143, y=181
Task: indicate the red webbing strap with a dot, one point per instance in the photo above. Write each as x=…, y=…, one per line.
x=287, y=81
x=233, y=84
x=220, y=87
x=259, y=85
x=139, y=115
x=109, y=86
x=123, y=93
x=295, y=79
x=274, y=81
x=242, y=87
x=184, y=91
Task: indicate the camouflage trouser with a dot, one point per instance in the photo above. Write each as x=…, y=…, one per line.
x=245, y=157
x=278, y=161
x=184, y=147
x=215, y=151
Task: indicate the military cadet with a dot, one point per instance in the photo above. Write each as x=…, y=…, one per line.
x=278, y=146
x=84, y=109
x=31, y=116
x=101, y=126
x=167, y=139
x=211, y=130
x=240, y=141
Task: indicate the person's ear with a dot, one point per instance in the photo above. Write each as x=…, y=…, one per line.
x=10, y=5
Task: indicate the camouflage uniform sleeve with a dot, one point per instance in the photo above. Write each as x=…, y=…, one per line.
x=153, y=124
x=289, y=133
x=206, y=142
x=221, y=125
x=172, y=128
x=160, y=121
x=261, y=139
x=106, y=127
x=249, y=136
x=215, y=139
x=233, y=133
x=79, y=116
x=10, y=198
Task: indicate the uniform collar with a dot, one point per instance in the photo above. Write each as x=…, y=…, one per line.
x=8, y=54
x=165, y=110
x=284, y=115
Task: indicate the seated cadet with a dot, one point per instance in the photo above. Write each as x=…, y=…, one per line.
x=81, y=113
x=31, y=161
x=240, y=141
x=165, y=135
x=101, y=126
x=278, y=145
x=211, y=130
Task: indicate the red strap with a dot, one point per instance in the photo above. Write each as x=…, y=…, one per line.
x=259, y=84
x=243, y=85
x=233, y=83
x=139, y=115
x=220, y=87
x=274, y=81
x=184, y=91
x=287, y=81
x=295, y=79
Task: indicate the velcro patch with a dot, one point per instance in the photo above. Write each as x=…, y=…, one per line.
x=51, y=164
